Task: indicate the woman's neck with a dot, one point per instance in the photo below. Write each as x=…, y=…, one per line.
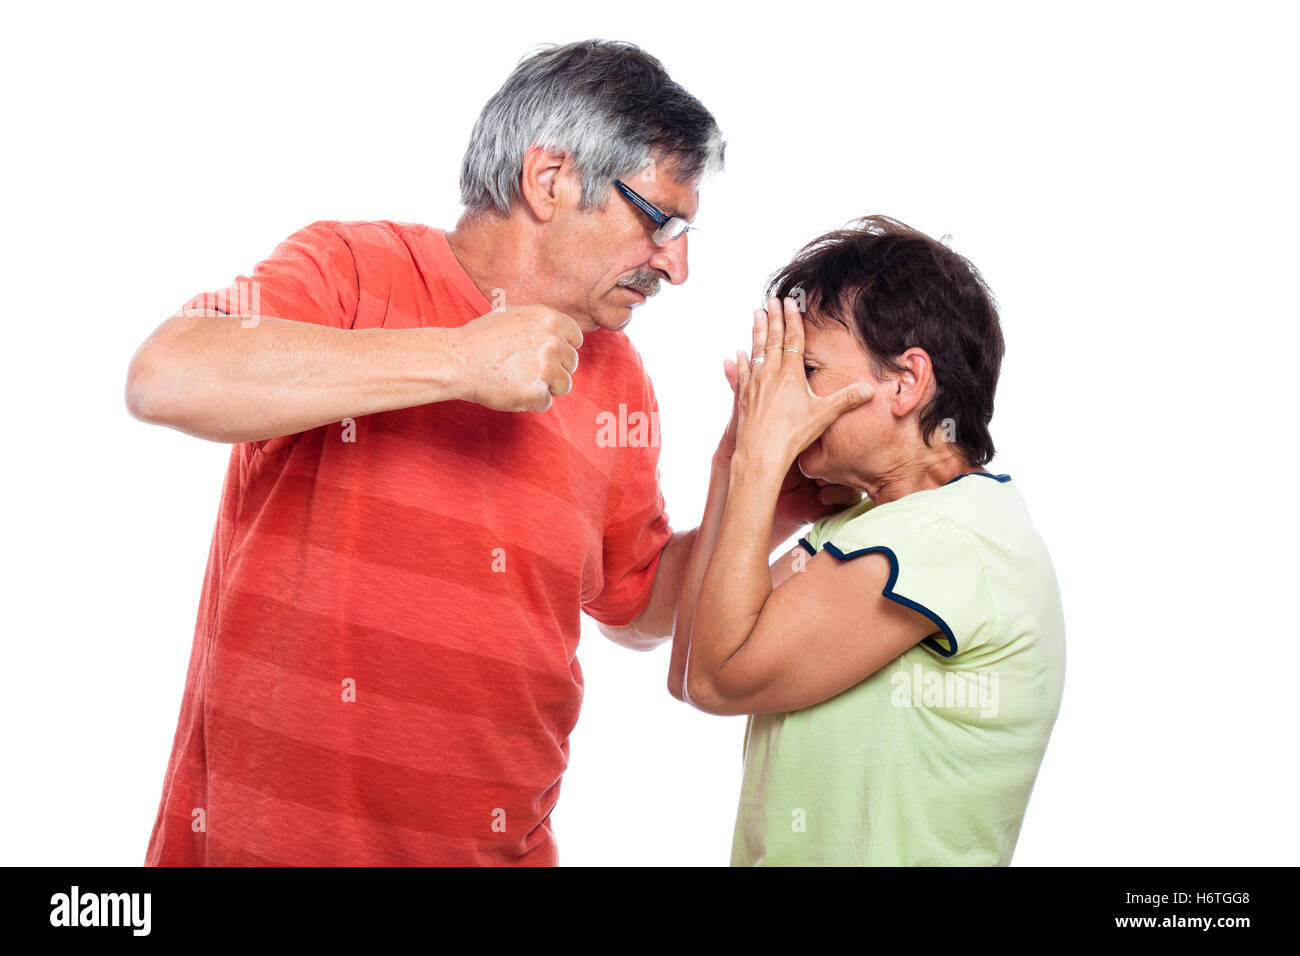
x=915, y=475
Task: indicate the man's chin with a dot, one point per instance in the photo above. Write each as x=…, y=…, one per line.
x=614, y=319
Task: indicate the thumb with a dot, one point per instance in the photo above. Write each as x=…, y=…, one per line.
x=733, y=374
x=846, y=399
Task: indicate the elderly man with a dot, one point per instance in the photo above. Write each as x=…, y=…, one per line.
x=384, y=665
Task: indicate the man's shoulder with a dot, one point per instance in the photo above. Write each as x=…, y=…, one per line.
x=378, y=235
x=369, y=235
x=373, y=226
x=382, y=249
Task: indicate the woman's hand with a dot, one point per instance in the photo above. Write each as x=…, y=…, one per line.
x=727, y=445
x=776, y=414
x=802, y=500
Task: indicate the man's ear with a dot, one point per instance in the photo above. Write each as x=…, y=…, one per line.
x=915, y=382
x=540, y=183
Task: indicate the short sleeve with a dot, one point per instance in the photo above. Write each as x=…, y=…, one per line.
x=812, y=541
x=935, y=570
x=636, y=524
x=309, y=277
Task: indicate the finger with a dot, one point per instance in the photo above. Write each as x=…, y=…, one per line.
x=571, y=331
x=775, y=332
x=731, y=370
x=833, y=406
x=542, y=399
x=760, y=332
x=793, y=329
x=569, y=359
x=558, y=381
x=742, y=367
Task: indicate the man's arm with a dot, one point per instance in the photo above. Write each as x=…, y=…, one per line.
x=230, y=379
x=237, y=378
x=654, y=625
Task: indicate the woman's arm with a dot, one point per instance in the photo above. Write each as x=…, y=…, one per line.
x=736, y=581
x=693, y=576
x=800, y=502
x=745, y=647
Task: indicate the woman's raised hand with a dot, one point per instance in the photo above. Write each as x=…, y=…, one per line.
x=777, y=414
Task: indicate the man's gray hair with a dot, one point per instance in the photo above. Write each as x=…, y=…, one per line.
x=608, y=104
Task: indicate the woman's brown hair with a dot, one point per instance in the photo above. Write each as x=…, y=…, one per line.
x=895, y=288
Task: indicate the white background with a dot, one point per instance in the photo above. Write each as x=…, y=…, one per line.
x=1123, y=175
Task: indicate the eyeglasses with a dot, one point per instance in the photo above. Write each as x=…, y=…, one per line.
x=670, y=227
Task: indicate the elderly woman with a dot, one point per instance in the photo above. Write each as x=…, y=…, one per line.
x=903, y=666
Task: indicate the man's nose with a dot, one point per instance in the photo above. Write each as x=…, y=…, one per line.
x=672, y=260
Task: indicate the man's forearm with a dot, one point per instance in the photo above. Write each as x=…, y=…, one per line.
x=280, y=377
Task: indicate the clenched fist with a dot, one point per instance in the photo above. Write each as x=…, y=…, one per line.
x=518, y=359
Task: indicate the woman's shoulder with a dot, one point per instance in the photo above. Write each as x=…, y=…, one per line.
x=990, y=510
x=950, y=501
x=965, y=552
x=970, y=520
x=982, y=504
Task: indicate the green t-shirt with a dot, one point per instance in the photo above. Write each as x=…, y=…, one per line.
x=930, y=760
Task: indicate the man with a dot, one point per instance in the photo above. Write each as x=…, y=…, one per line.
x=384, y=665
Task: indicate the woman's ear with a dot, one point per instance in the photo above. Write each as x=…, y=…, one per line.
x=915, y=381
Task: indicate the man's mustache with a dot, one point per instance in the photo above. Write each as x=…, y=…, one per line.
x=647, y=283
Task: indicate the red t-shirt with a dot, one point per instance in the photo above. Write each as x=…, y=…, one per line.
x=384, y=667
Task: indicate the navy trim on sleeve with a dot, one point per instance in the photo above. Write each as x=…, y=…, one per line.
x=807, y=547
x=888, y=592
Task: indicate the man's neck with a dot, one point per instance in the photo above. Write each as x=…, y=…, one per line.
x=497, y=257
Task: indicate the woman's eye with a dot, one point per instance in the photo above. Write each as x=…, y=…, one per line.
x=809, y=369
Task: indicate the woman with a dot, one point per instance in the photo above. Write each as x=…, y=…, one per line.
x=903, y=666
